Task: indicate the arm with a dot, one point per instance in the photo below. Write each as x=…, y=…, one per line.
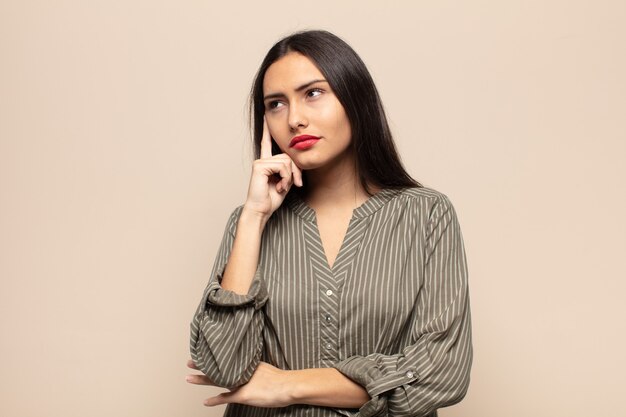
x=326, y=387
x=226, y=340
x=244, y=258
x=434, y=370
x=226, y=329
x=274, y=387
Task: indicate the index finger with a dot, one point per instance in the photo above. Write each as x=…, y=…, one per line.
x=266, y=141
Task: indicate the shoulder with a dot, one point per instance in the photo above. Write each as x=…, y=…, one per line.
x=427, y=206
x=425, y=199
x=420, y=193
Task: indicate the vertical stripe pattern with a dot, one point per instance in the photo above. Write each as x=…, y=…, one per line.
x=392, y=313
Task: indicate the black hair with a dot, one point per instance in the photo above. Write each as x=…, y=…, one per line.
x=377, y=160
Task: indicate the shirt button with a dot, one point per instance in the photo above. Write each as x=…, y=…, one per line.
x=329, y=346
x=410, y=374
x=329, y=292
x=328, y=317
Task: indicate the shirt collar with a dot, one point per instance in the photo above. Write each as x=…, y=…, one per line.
x=295, y=202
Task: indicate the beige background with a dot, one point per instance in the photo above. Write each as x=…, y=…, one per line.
x=124, y=148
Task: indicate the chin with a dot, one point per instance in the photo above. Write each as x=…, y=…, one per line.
x=306, y=164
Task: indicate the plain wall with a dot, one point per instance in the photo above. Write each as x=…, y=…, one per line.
x=124, y=147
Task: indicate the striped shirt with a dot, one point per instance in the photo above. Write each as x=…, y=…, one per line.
x=392, y=313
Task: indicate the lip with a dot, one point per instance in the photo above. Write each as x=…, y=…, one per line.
x=302, y=138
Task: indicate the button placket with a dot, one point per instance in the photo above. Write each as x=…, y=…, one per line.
x=329, y=307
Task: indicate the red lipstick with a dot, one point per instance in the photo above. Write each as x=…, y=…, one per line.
x=303, y=141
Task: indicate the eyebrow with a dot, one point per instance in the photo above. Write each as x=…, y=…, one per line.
x=302, y=87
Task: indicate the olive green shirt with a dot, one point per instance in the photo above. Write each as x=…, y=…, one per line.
x=392, y=313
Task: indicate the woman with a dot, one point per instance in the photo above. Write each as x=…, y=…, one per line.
x=340, y=286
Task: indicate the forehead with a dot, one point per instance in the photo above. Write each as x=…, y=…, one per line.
x=289, y=72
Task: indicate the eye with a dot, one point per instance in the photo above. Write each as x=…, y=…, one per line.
x=313, y=90
x=272, y=104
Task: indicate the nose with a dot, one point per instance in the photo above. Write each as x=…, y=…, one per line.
x=297, y=118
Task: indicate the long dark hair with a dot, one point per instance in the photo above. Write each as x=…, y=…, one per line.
x=377, y=161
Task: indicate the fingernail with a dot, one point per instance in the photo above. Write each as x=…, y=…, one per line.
x=188, y=378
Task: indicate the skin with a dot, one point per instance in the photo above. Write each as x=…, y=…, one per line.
x=314, y=110
x=334, y=192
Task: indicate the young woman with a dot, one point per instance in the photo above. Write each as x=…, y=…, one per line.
x=340, y=286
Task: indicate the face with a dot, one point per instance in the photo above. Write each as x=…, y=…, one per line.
x=298, y=101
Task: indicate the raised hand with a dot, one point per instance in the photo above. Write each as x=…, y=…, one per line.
x=271, y=179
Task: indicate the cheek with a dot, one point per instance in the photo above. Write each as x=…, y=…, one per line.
x=282, y=147
x=343, y=127
x=281, y=141
x=275, y=134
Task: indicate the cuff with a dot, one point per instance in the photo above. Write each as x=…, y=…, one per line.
x=366, y=372
x=257, y=294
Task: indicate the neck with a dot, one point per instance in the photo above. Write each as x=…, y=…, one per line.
x=335, y=187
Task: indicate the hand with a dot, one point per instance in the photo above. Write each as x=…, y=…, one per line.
x=266, y=191
x=268, y=387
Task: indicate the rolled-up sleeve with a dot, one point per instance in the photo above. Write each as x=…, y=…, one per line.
x=226, y=330
x=434, y=370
